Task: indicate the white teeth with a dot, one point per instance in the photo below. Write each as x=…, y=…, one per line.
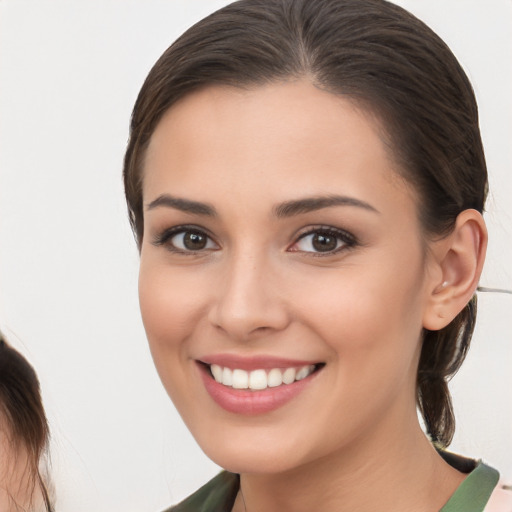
x=240, y=379
x=259, y=379
x=216, y=372
x=289, y=375
x=227, y=377
x=274, y=378
x=304, y=372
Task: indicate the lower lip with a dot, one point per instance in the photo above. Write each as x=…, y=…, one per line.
x=244, y=401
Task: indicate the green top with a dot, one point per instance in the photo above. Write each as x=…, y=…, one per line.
x=474, y=492
x=219, y=494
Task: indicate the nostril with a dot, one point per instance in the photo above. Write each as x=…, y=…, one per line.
x=243, y=324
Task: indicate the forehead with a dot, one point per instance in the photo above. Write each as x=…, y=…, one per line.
x=289, y=138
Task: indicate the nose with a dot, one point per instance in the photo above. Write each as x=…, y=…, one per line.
x=249, y=301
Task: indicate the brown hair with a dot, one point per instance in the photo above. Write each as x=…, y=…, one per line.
x=22, y=409
x=378, y=55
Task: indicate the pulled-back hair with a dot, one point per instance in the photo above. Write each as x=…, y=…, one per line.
x=23, y=415
x=384, y=59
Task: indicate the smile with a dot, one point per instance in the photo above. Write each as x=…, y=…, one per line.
x=255, y=385
x=260, y=379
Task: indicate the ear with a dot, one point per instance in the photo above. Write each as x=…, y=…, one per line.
x=457, y=262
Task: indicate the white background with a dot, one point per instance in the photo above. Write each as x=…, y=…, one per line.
x=69, y=75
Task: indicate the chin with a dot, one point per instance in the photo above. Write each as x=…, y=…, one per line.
x=254, y=450
x=252, y=461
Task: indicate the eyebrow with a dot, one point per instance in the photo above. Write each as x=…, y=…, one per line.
x=184, y=205
x=282, y=210
x=310, y=204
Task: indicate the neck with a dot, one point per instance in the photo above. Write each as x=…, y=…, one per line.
x=391, y=472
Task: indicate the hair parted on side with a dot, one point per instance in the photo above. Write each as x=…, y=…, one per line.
x=23, y=415
x=386, y=60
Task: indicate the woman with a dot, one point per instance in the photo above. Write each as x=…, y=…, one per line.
x=305, y=181
x=23, y=435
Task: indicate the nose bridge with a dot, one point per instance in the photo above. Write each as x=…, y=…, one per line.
x=247, y=301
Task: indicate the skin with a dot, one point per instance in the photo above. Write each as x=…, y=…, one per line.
x=352, y=435
x=18, y=490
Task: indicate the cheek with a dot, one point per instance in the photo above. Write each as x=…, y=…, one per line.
x=170, y=303
x=374, y=345
x=372, y=320
x=360, y=311
x=171, y=309
x=373, y=340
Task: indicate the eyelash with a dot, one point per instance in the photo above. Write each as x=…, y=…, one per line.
x=165, y=237
x=348, y=241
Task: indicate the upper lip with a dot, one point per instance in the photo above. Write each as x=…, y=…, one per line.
x=257, y=362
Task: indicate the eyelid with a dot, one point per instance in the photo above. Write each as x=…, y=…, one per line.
x=348, y=239
x=164, y=236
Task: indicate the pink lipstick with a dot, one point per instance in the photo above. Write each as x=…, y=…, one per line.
x=255, y=385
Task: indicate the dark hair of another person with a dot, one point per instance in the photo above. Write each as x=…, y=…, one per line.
x=386, y=61
x=22, y=408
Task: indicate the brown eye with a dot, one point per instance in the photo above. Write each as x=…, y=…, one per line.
x=186, y=240
x=194, y=241
x=323, y=242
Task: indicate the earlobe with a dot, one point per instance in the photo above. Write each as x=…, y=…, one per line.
x=459, y=260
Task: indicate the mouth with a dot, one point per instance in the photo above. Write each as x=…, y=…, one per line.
x=255, y=386
x=260, y=379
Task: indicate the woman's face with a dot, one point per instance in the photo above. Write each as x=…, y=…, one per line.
x=280, y=243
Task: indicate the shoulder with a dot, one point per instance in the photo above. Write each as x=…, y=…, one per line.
x=500, y=500
x=480, y=491
x=218, y=495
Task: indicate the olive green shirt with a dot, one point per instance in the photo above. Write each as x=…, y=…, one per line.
x=219, y=494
